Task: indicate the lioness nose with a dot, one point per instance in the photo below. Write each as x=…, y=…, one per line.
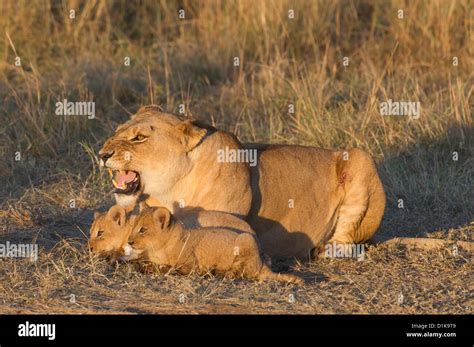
x=105, y=155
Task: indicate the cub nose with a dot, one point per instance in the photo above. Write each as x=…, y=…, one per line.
x=127, y=250
x=105, y=155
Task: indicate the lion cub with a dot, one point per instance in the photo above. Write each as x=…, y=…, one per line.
x=157, y=238
x=109, y=232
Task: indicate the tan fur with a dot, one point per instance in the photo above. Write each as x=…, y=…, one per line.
x=158, y=239
x=114, y=228
x=196, y=218
x=166, y=164
x=337, y=197
x=334, y=199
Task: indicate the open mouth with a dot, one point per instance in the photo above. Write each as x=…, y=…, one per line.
x=125, y=181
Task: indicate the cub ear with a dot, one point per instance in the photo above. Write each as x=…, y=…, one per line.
x=142, y=206
x=117, y=214
x=189, y=134
x=96, y=214
x=162, y=217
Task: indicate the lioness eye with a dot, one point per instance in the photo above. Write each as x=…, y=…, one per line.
x=139, y=138
x=99, y=233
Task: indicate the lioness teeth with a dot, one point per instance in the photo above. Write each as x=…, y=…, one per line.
x=123, y=179
x=116, y=185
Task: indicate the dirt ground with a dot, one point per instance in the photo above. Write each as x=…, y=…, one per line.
x=66, y=279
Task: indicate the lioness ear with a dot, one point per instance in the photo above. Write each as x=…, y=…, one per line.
x=190, y=134
x=96, y=214
x=148, y=108
x=162, y=217
x=117, y=214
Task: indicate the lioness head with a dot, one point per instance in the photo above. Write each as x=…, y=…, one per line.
x=109, y=231
x=149, y=152
x=151, y=231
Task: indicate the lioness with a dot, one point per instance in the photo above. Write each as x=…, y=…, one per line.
x=157, y=238
x=296, y=198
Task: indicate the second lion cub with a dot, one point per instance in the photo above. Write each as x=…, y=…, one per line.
x=157, y=238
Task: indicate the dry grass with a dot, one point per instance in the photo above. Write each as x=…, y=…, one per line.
x=283, y=62
x=430, y=282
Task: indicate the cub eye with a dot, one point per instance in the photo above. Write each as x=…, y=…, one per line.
x=100, y=233
x=142, y=230
x=139, y=138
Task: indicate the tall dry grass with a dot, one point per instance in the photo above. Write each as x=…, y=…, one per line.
x=282, y=61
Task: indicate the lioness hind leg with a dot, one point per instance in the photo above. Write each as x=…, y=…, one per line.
x=364, y=199
x=375, y=210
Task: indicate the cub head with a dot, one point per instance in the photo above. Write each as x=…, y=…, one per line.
x=109, y=231
x=151, y=231
x=149, y=153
